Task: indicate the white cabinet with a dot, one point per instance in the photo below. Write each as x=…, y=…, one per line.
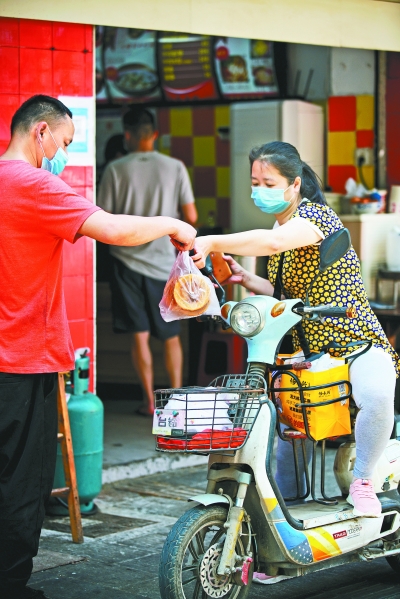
x=368, y=235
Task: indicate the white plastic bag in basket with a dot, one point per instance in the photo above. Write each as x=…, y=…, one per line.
x=193, y=291
x=204, y=410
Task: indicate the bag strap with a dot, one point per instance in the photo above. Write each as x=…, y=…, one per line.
x=335, y=345
x=278, y=289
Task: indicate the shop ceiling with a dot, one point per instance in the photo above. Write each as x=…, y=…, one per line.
x=373, y=24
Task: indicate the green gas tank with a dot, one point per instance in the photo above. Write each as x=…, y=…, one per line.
x=86, y=414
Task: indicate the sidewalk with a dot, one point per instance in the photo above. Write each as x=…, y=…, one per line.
x=120, y=556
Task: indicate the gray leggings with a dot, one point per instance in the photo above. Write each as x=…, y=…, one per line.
x=373, y=379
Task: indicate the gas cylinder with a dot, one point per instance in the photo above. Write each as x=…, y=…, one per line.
x=86, y=414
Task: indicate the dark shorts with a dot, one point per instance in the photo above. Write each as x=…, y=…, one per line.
x=134, y=303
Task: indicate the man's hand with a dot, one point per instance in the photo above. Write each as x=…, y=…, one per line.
x=184, y=236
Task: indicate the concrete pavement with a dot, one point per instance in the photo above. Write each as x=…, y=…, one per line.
x=119, y=559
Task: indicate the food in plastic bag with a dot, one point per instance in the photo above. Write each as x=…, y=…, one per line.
x=188, y=293
x=191, y=292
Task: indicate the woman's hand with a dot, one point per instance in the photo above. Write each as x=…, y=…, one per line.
x=202, y=247
x=239, y=274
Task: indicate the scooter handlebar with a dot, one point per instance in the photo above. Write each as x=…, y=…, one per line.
x=326, y=310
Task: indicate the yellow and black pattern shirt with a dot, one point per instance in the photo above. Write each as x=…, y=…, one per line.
x=340, y=285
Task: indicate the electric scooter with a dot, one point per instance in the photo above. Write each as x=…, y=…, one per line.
x=242, y=523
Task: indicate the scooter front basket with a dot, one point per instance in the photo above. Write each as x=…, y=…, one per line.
x=214, y=419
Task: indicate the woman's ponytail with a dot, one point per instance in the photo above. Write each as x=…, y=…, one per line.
x=286, y=159
x=311, y=185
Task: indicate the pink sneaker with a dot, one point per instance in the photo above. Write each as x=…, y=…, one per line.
x=363, y=497
x=260, y=578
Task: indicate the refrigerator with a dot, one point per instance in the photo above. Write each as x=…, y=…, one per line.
x=256, y=123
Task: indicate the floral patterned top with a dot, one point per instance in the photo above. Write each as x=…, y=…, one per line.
x=340, y=285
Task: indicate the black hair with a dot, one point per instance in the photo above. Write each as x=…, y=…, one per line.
x=286, y=159
x=115, y=145
x=36, y=109
x=139, y=120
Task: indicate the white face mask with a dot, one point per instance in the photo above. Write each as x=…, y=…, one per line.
x=56, y=164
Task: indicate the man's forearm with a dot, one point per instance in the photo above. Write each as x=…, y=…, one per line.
x=121, y=229
x=135, y=230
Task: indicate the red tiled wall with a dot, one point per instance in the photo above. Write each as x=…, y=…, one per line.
x=350, y=126
x=41, y=57
x=393, y=119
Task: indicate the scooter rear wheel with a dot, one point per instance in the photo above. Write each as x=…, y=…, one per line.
x=191, y=554
x=394, y=562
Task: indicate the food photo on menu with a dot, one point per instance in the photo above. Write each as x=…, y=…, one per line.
x=245, y=68
x=126, y=65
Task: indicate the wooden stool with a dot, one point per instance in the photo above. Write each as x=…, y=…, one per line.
x=64, y=438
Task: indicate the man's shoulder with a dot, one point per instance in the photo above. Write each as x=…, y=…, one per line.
x=168, y=161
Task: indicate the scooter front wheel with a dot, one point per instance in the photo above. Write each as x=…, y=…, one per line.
x=190, y=557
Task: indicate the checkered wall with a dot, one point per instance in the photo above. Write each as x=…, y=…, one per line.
x=191, y=135
x=350, y=126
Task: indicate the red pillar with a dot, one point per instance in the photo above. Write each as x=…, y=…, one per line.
x=43, y=57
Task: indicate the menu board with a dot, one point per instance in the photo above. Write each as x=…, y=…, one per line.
x=186, y=67
x=126, y=68
x=245, y=68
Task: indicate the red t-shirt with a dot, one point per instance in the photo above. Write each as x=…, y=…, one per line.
x=37, y=212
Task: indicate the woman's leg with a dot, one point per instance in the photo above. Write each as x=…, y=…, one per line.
x=373, y=380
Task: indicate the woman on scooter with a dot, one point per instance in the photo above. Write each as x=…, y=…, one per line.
x=284, y=185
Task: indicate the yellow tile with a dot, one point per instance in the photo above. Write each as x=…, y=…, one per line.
x=365, y=112
x=190, y=171
x=223, y=182
x=368, y=174
x=341, y=147
x=204, y=150
x=181, y=122
x=222, y=116
x=207, y=211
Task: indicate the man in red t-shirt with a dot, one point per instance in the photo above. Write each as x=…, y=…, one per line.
x=38, y=211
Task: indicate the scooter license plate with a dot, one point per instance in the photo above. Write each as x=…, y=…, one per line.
x=169, y=423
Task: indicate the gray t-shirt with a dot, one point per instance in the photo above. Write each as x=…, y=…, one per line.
x=146, y=184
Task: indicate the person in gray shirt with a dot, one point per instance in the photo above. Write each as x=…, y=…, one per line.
x=146, y=183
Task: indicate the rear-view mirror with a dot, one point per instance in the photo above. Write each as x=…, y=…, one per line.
x=333, y=248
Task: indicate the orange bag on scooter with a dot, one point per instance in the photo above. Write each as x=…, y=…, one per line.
x=332, y=420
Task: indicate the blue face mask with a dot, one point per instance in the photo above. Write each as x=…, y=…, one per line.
x=57, y=164
x=271, y=201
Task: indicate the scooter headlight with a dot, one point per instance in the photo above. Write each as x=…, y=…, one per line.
x=245, y=319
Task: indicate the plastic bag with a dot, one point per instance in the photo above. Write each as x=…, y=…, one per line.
x=204, y=409
x=188, y=293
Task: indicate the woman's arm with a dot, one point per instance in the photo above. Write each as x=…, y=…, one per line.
x=250, y=281
x=260, y=242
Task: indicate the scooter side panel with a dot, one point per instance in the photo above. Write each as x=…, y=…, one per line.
x=300, y=547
